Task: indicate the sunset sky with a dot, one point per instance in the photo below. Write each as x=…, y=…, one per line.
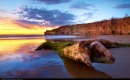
x=37, y=16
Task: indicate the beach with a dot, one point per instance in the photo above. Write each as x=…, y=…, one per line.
x=48, y=64
x=119, y=69
x=116, y=38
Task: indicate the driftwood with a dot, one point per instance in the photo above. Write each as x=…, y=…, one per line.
x=90, y=51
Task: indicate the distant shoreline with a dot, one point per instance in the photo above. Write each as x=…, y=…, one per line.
x=19, y=35
x=47, y=37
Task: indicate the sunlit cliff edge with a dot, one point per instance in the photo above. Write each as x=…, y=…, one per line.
x=118, y=26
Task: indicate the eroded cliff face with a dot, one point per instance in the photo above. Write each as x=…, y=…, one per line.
x=106, y=27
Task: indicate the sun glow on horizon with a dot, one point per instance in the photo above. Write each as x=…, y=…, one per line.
x=9, y=26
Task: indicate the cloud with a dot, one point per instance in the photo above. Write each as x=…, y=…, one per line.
x=84, y=18
x=81, y=6
x=24, y=24
x=10, y=24
x=88, y=15
x=45, y=17
x=3, y=11
x=123, y=6
x=8, y=14
x=50, y=2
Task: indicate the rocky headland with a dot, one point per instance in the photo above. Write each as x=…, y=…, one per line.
x=114, y=26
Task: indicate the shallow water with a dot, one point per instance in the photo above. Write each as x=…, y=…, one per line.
x=121, y=66
x=18, y=59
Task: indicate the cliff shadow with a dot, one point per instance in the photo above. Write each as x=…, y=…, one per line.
x=80, y=70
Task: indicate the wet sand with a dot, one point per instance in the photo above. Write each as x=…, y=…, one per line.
x=116, y=38
x=119, y=69
x=34, y=64
x=48, y=64
x=121, y=66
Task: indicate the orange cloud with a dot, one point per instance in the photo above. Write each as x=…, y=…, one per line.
x=9, y=26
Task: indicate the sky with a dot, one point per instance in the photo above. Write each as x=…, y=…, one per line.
x=37, y=16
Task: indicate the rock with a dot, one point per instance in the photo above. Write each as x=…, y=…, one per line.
x=78, y=53
x=106, y=27
x=99, y=53
x=90, y=51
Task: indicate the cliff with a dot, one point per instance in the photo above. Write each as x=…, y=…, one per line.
x=118, y=26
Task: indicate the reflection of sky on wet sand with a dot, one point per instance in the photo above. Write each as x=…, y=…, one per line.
x=17, y=48
x=18, y=60
x=13, y=53
x=40, y=64
x=19, y=45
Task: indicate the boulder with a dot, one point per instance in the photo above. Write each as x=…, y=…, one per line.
x=78, y=53
x=90, y=51
x=99, y=53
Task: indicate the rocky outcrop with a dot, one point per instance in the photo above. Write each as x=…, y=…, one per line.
x=119, y=26
x=78, y=53
x=90, y=51
x=87, y=51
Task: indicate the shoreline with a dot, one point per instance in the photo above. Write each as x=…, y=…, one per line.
x=48, y=64
x=116, y=38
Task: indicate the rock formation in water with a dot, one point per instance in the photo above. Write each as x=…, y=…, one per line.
x=118, y=26
x=84, y=51
x=90, y=51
